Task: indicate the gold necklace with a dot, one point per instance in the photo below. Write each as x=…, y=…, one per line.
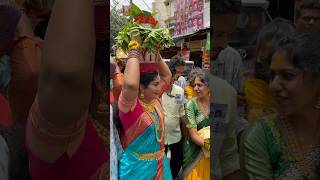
x=159, y=139
x=149, y=109
x=295, y=148
x=205, y=109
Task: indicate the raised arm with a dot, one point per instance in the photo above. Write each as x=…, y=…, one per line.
x=67, y=62
x=131, y=80
x=117, y=83
x=165, y=76
x=164, y=71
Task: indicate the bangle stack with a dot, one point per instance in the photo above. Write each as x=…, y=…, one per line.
x=135, y=53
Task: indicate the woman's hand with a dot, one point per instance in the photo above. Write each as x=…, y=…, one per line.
x=195, y=137
x=206, y=144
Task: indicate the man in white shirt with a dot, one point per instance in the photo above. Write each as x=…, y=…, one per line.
x=228, y=66
x=173, y=105
x=181, y=82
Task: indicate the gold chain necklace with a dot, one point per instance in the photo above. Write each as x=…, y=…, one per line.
x=149, y=108
x=295, y=148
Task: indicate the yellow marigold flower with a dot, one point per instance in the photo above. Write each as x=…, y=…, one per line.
x=190, y=92
x=133, y=44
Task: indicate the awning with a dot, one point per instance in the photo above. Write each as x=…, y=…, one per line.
x=199, y=31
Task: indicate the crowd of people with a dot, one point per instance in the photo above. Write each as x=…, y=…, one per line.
x=212, y=123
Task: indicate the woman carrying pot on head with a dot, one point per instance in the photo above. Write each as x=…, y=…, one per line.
x=146, y=77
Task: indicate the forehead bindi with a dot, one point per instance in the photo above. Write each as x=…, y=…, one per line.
x=277, y=63
x=280, y=61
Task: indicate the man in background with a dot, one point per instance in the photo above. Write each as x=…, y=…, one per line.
x=173, y=105
x=226, y=62
x=206, y=66
x=308, y=16
x=225, y=81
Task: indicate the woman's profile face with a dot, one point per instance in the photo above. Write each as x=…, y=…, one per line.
x=200, y=88
x=151, y=92
x=292, y=89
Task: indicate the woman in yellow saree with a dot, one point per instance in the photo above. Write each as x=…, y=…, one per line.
x=196, y=162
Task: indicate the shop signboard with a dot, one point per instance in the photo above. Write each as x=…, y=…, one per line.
x=189, y=16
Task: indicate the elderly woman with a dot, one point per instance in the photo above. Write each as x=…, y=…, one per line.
x=195, y=163
x=287, y=145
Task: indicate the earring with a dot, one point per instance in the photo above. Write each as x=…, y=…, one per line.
x=141, y=95
x=317, y=106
